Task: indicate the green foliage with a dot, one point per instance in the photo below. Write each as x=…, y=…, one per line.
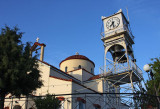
x=153, y=86
x=48, y=102
x=150, y=96
x=19, y=74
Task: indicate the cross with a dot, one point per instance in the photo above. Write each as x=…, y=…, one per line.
x=37, y=39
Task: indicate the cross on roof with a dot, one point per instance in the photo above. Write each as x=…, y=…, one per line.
x=37, y=39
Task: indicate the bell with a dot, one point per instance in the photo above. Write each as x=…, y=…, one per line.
x=118, y=52
x=117, y=48
x=120, y=57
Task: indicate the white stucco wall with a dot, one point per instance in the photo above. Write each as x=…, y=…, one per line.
x=77, y=74
x=57, y=86
x=45, y=72
x=81, y=74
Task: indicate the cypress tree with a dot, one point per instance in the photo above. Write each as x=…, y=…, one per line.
x=19, y=74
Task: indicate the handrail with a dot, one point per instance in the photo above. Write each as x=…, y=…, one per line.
x=120, y=68
x=118, y=30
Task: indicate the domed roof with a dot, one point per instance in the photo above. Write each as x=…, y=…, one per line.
x=77, y=56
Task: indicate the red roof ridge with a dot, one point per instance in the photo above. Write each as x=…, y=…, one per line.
x=77, y=57
x=95, y=77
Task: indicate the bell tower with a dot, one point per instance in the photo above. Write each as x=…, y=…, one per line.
x=120, y=68
x=117, y=37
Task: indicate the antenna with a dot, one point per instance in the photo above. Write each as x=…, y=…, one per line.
x=127, y=14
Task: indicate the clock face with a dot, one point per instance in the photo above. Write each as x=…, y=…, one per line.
x=113, y=23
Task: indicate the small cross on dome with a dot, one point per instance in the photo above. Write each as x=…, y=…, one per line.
x=37, y=39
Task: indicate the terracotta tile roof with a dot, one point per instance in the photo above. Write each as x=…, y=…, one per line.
x=77, y=57
x=94, y=77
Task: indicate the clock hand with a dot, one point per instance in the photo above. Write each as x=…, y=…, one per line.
x=112, y=24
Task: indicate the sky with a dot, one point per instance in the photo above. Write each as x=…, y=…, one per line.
x=70, y=26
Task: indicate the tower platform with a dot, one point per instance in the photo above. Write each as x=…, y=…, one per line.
x=123, y=78
x=120, y=74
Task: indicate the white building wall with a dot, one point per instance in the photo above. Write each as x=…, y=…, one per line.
x=77, y=74
x=81, y=74
x=45, y=72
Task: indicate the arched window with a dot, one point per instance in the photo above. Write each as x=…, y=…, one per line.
x=91, y=70
x=79, y=67
x=66, y=69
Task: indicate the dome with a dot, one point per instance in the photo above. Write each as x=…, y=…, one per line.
x=75, y=62
x=77, y=56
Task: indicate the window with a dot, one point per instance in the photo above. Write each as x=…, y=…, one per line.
x=91, y=70
x=79, y=67
x=66, y=69
x=80, y=103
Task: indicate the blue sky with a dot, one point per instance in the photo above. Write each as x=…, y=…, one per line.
x=70, y=26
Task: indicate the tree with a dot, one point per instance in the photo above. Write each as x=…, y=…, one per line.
x=48, y=102
x=153, y=85
x=150, y=96
x=19, y=74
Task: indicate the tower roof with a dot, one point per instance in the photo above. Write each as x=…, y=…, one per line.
x=77, y=56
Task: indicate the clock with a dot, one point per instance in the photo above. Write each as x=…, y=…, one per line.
x=113, y=23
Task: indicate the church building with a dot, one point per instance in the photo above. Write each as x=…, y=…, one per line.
x=75, y=84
